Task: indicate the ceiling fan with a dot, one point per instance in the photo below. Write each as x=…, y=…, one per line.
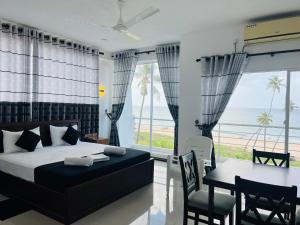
x=123, y=27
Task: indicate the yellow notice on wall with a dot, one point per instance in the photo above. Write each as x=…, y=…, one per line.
x=101, y=90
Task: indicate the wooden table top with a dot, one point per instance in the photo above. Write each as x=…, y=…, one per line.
x=224, y=175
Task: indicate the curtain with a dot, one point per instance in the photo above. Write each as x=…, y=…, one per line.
x=168, y=63
x=65, y=82
x=220, y=75
x=14, y=73
x=124, y=67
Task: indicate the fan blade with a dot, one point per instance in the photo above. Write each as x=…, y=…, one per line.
x=142, y=16
x=131, y=35
x=86, y=23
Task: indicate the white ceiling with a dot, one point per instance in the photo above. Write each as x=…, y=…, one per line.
x=82, y=19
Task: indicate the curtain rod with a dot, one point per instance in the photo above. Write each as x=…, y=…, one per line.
x=145, y=52
x=142, y=52
x=264, y=53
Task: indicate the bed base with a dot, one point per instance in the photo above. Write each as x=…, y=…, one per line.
x=78, y=201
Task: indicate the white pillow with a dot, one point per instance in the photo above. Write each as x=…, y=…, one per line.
x=57, y=133
x=10, y=138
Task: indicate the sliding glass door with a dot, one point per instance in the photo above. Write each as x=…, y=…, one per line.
x=294, y=117
x=153, y=124
x=262, y=114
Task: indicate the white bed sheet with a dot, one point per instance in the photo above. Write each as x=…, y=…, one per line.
x=22, y=164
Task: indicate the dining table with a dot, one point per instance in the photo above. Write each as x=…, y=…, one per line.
x=223, y=177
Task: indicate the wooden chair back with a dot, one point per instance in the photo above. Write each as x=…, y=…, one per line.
x=190, y=175
x=276, y=159
x=254, y=191
x=201, y=145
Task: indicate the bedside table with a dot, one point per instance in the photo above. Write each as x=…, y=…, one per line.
x=95, y=139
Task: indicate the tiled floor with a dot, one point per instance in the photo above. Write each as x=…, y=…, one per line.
x=147, y=206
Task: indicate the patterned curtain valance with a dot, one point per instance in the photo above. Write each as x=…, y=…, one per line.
x=15, y=89
x=124, y=67
x=220, y=75
x=66, y=81
x=168, y=56
x=65, y=43
x=45, y=77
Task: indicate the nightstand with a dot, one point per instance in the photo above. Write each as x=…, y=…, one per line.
x=95, y=139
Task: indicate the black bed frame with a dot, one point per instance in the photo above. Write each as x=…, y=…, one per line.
x=80, y=200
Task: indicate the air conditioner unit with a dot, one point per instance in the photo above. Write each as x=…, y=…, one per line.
x=275, y=30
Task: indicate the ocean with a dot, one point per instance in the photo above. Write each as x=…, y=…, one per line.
x=235, y=116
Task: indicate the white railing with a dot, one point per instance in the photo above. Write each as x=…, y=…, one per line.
x=235, y=135
x=249, y=136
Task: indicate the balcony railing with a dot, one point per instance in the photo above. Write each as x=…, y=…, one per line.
x=232, y=139
x=162, y=133
x=245, y=137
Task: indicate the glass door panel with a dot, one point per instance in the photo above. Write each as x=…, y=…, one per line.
x=254, y=117
x=141, y=100
x=162, y=122
x=294, y=121
x=153, y=123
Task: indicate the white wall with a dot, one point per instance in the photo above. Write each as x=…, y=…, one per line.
x=106, y=78
x=220, y=41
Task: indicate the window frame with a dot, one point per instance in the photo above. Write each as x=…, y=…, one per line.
x=150, y=148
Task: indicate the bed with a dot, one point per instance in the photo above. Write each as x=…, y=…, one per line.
x=67, y=194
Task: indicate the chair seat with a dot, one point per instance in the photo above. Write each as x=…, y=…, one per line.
x=223, y=203
x=253, y=219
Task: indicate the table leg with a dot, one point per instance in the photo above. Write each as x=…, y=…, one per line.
x=211, y=193
x=231, y=214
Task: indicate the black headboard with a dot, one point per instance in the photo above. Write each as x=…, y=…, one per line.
x=44, y=129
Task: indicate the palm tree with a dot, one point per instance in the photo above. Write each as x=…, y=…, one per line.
x=292, y=107
x=144, y=80
x=264, y=119
x=275, y=83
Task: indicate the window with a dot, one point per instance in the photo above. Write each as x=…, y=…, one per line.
x=294, y=117
x=257, y=116
x=153, y=123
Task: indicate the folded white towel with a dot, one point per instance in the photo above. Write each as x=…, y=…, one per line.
x=75, y=161
x=115, y=150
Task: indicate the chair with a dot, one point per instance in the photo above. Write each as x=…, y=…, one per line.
x=277, y=159
x=173, y=172
x=255, y=191
x=202, y=147
x=196, y=200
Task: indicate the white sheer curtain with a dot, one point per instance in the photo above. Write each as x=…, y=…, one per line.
x=14, y=73
x=67, y=72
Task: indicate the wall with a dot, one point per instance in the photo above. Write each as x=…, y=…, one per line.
x=106, y=78
x=220, y=41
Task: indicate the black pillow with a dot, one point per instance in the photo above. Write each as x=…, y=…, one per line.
x=71, y=136
x=28, y=140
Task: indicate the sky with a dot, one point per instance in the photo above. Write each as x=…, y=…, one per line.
x=158, y=100
x=251, y=92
